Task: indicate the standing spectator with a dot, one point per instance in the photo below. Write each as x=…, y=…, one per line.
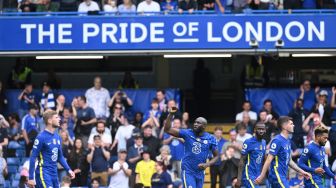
x=229, y=166
x=88, y=5
x=154, y=112
x=3, y=136
x=306, y=92
x=77, y=162
x=153, y=142
x=242, y=133
x=161, y=179
x=120, y=172
x=124, y=132
x=86, y=119
x=145, y=169
x=3, y=169
x=30, y=128
x=14, y=132
x=168, y=5
x=161, y=97
x=165, y=156
x=67, y=145
x=247, y=109
x=149, y=6
x=21, y=74
x=298, y=114
x=185, y=121
x=127, y=7
x=69, y=120
x=269, y=109
x=47, y=99
x=98, y=157
x=206, y=5
x=323, y=108
x=187, y=5
x=128, y=81
x=309, y=125
x=116, y=119
x=120, y=97
x=234, y=143
x=138, y=120
x=103, y=132
x=170, y=104
x=176, y=147
x=3, y=99
x=110, y=6
x=26, y=98
x=98, y=99
x=60, y=105
x=134, y=156
x=215, y=170
x=271, y=128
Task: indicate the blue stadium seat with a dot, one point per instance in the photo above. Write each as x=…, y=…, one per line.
x=20, y=153
x=23, y=160
x=12, y=169
x=17, y=176
x=7, y=183
x=13, y=161
x=15, y=183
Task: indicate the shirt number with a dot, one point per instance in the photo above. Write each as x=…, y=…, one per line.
x=196, y=149
x=54, y=154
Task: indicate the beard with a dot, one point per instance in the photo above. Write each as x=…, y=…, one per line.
x=322, y=143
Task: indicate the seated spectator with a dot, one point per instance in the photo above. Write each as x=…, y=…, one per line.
x=60, y=104
x=145, y=169
x=30, y=128
x=153, y=142
x=298, y=114
x=128, y=82
x=124, y=132
x=120, y=97
x=26, y=98
x=14, y=132
x=247, y=109
x=271, y=128
x=47, y=99
x=138, y=120
x=88, y=5
x=185, y=121
x=161, y=97
x=66, y=182
x=168, y=5
x=120, y=172
x=206, y=5
x=297, y=182
x=78, y=163
x=116, y=119
x=232, y=142
x=187, y=5
x=247, y=123
x=126, y=7
x=242, y=133
x=229, y=165
x=110, y=6
x=165, y=156
x=47, y=6
x=161, y=178
x=98, y=98
x=103, y=132
x=95, y=183
x=68, y=120
x=154, y=112
x=148, y=6
x=323, y=108
x=98, y=157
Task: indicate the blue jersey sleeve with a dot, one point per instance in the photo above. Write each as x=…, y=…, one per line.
x=61, y=159
x=38, y=143
x=214, y=144
x=246, y=147
x=183, y=133
x=328, y=171
x=303, y=161
x=275, y=147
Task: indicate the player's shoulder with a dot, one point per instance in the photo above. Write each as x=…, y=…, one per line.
x=249, y=140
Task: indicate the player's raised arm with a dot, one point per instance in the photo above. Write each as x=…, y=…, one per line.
x=167, y=127
x=266, y=166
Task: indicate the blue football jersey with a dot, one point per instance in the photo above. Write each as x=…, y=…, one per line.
x=313, y=157
x=196, y=150
x=48, y=149
x=255, y=150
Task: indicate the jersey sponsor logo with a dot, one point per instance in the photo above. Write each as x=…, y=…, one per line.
x=196, y=149
x=55, y=154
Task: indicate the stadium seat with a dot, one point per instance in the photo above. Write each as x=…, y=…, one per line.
x=13, y=161
x=7, y=183
x=20, y=153
x=23, y=160
x=15, y=183
x=12, y=169
x=17, y=176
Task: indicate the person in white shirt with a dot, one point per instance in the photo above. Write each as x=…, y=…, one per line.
x=119, y=172
x=110, y=6
x=103, y=132
x=124, y=132
x=242, y=133
x=246, y=109
x=148, y=6
x=98, y=98
x=88, y=5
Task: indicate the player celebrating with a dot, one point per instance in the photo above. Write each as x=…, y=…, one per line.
x=279, y=157
x=253, y=155
x=197, y=147
x=312, y=159
x=48, y=148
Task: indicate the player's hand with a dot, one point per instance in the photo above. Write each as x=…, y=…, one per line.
x=307, y=175
x=319, y=170
x=259, y=179
x=31, y=183
x=72, y=174
x=172, y=110
x=238, y=184
x=203, y=166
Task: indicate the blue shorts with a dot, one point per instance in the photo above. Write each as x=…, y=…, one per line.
x=249, y=184
x=309, y=185
x=46, y=181
x=191, y=180
x=283, y=183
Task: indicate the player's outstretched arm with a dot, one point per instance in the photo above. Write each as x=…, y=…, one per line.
x=167, y=127
x=266, y=166
x=295, y=167
x=240, y=170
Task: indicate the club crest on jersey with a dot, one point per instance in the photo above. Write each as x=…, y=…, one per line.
x=205, y=142
x=36, y=142
x=54, y=141
x=273, y=146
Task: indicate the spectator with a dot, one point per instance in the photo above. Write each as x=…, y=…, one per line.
x=135, y=133
x=170, y=104
x=154, y=112
x=222, y=5
x=165, y=156
x=247, y=109
x=161, y=179
x=116, y=119
x=309, y=4
x=297, y=182
x=98, y=99
x=242, y=133
x=120, y=172
x=95, y=183
x=111, y=6
x=120, y=97
x=134, y=156
x=145, y=169
x=3, y=136
x=138, y=120
x=47, y=6
x=69, y=120
x=88, y=5
x=247, y=123
x=176, y=147
x=271, y=128
x=127, y=7
x=124, y=132
x=26, y=98
x=153, y=142
x=14, y=132
x=161, y=97
x=306, y=92
x=323, y=108
x=3, y=99
x=77, y=161
x=66, y=182
x=215, y=170
x=128, y=82
x=309, y=125
x=187, y=5
x=154, y=124
x=149, y=6
x=3, y=122
x=103, y=132
x=298, y=114
x=20, y=73
x=67, y=145
x=185, y=121
x=229, y=165
x=86, y=119
x=30, y=128
x=98, y=157
x=206, y=5
x=269, y=109
x=47, y=98
x=234, y=143
x=168, y=5
x=3, y=169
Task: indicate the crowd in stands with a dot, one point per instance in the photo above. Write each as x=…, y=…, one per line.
x=152, y=6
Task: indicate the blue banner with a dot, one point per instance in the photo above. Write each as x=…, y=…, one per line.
x=171, y=32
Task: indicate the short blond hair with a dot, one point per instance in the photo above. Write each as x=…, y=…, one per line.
x=48, y=114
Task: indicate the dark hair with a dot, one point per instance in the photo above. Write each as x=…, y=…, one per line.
x=96, y=179
x=155, y=100
x=147, y=127
x=101, y=121
x=299, y=99
x=246, y=101
x=218, y=129
x=15, y=116
x=161, y=90
x=96, y=136
x=320, y=130
x=82, y=97
x=240, y=126
x=283, y=120
x=263, y=110
x=267, y=100
x=160, y=163
x=233, y=129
